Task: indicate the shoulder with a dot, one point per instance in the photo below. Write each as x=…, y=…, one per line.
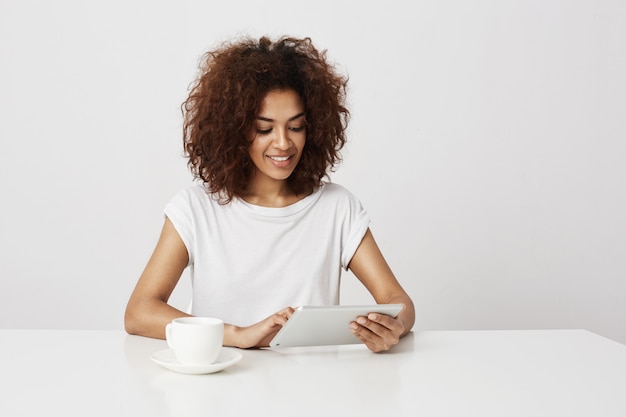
x=336, y=191
x=196, y=192
x=339, y=196
x=194, y=196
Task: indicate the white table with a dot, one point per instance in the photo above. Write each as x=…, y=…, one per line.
x=436, y=373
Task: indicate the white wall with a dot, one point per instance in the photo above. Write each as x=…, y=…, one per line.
x=487, y=142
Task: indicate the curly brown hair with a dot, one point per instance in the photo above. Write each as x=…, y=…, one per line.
x=225, y=99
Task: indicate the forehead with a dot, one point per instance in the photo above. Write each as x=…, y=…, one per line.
x=281, y=102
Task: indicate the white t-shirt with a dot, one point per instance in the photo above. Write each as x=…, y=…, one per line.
x=248, y=262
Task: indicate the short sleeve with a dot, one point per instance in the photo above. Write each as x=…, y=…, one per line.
x=179, y=211
x=355, y=224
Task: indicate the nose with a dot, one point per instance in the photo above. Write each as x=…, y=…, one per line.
x=282, y=140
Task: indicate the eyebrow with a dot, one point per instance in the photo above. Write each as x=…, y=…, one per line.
x=265, y=119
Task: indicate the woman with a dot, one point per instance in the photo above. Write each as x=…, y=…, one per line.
x=261, y=231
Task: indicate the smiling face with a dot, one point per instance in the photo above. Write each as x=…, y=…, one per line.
x=278, y=138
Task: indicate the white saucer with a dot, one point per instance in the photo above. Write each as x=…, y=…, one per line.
x=226, y=358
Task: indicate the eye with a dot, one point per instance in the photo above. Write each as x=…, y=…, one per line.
x=263, y=131
x=297, y=129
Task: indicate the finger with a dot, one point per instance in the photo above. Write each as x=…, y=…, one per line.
x=389, y=322
x=373, y=341
x=374, y=327
x=380, y=336
x=282, y=316
x=279, y=319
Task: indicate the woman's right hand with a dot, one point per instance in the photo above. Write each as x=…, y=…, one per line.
x=259, y=334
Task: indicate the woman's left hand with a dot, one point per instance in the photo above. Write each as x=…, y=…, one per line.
x=378, y=332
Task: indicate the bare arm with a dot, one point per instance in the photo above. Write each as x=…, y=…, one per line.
x=147, y=311
x=380, y=332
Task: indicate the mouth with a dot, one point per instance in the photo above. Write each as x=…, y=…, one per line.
x=279, y=158
x=280, y=161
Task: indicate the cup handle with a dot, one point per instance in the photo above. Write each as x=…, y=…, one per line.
x=168, y=334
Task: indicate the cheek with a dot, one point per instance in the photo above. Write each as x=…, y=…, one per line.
x=301, y=142
x=255, y=149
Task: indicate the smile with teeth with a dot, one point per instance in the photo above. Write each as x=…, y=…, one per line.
x=279, y=158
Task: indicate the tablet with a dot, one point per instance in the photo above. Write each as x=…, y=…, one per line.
x=326, y=325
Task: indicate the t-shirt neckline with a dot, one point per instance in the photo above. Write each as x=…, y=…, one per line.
x=286, y=211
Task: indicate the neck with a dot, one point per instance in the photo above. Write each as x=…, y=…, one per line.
x=270, y=193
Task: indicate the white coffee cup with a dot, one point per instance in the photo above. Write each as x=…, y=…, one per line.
x=195, y=340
